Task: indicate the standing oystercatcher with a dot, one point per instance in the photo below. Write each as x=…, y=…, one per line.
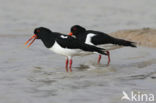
x=99, y=38
x=64, y=44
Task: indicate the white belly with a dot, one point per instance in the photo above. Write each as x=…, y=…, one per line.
x=67, y=52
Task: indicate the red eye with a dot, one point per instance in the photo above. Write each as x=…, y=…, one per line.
x=74, y=28
x=38, y=31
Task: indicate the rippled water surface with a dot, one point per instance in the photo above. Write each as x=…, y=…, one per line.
x=36, y=75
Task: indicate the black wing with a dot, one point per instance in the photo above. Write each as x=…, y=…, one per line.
x=66, y=41
x=103, y=38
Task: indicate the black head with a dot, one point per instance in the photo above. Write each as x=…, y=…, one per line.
x=77, y=30
x=39, y=33
x=42, y=32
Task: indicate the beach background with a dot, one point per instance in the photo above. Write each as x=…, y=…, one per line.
x=36, y=75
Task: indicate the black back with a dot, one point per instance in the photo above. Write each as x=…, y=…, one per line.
x=49, y=38
x=99, y=38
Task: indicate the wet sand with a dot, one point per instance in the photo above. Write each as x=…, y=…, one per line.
x=143, y=37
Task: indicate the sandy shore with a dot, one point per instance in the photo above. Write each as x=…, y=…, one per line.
x=144, y=37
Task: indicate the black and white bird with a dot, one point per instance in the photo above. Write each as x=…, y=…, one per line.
x=64, y=45
x=99, y=39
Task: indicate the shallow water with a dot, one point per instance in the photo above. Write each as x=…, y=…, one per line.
x=35, y=75
x=22, y=16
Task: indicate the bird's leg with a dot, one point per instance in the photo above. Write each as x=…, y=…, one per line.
x=70, y=65
x=99, y=59
x=108, y=54
x=67, y=65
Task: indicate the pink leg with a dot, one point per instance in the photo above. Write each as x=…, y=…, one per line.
x=99, y=59
x=108, y=54
x=70, y=65
x=67, y=65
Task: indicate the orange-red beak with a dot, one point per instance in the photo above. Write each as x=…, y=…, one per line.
x=70, y=34
x=33, y=37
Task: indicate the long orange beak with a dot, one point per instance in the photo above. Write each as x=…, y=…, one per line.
x=33, y=37
x=70, y=34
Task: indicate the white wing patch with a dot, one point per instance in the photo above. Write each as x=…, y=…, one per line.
x=64, y=37
x=88, y=39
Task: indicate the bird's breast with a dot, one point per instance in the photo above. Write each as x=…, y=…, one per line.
x=64, y=51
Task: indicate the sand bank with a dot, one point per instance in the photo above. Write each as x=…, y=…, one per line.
x=144, y=37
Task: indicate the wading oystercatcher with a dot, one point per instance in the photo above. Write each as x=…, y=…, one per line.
x=63, y=44
x=99, y=39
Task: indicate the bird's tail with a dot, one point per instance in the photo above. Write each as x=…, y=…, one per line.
x=124, y=42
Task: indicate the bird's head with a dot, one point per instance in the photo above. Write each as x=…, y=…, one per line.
x=77, y=30
x=39, y=33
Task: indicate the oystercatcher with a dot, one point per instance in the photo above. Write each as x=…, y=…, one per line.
x=63, y=44
x=99, y=39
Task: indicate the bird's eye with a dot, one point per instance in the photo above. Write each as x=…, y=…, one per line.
x=38, y=31
x=74, y=28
